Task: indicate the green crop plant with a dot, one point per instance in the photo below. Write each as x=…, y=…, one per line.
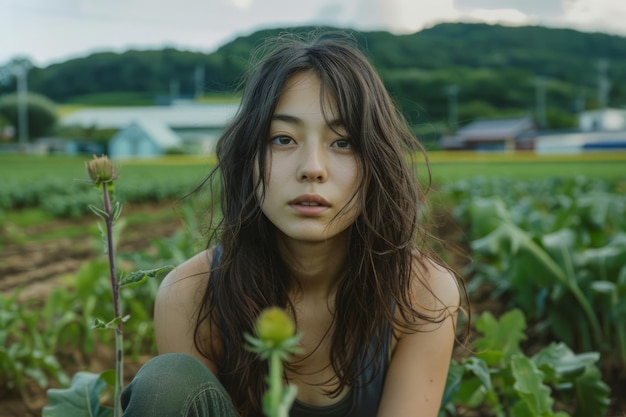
x=27, y=185
x=26, y=352
x=500, y=380
x=557, y=250
x=35, y=336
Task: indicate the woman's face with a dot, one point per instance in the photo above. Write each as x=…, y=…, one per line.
x=312, y=170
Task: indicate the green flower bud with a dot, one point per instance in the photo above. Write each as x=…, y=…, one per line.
x=101, y=170
x=274, y=326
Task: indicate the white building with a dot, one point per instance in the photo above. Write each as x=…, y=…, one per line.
x=197, y=126
x=599, y=130
x=578, y=142
x=143, y=139
x=602, y=120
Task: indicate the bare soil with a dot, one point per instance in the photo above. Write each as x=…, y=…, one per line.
x=37, y=268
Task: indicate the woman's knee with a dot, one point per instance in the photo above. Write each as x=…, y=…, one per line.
x=172, y=368
x=169, y=383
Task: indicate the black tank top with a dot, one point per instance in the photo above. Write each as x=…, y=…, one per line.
x=363, y=399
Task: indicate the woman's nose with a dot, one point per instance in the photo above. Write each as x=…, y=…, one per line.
x=312, y=164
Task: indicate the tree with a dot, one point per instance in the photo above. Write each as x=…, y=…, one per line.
x=42, y=116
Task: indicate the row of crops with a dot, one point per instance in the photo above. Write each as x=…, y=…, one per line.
x=552, y=250
x=555, y=250
x=69, y=196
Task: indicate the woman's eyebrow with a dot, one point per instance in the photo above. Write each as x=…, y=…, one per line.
x=287, y=118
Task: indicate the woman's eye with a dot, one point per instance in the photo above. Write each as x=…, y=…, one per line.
x=342, y=144
x=282, y=140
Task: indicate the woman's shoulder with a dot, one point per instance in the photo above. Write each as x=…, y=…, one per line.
x=435, y=295
x=187, y=281
x=434, y=286
x=198, y=266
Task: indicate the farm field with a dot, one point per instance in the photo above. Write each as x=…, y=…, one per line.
x=447, y=166
x=49, y=242
x=451, y=166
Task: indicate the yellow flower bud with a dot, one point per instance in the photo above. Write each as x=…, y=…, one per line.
x=101, y=170
x=274, y=326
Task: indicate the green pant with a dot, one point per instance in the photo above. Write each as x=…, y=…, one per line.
x=176, y=385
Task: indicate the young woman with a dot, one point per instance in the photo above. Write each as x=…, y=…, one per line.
x=322, y=216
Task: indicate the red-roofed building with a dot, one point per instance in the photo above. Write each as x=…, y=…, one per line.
x=492, y=134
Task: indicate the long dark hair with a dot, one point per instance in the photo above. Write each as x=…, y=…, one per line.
x=386, y=241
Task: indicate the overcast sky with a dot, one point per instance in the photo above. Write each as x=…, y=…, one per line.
x=49, y=31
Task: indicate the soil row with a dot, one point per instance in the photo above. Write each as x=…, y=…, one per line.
x=36, y=268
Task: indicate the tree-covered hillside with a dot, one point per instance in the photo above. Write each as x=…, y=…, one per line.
x=488, y=70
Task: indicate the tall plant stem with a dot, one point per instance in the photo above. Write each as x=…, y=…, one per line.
x=119, y=336
x=569, y=278
x=275, y=383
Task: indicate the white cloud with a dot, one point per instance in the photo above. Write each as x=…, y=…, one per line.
x=413, y=15
x=407, y=16
x=502, y=16
x=53, y=30
x=594, y=15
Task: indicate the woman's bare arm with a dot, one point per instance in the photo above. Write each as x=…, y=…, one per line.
x=419, y=365
x=176, y=307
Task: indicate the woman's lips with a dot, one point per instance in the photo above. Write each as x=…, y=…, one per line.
x=309, y=204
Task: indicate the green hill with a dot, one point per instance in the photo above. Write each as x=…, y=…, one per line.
x=495, y=68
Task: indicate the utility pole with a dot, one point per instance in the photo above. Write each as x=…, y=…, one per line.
x=604, y=83
x=18, y=68
x=579, y=103
x=453, y=92
x=540, y=100
x=21, y=73
x=199, y=81
x=174, y=89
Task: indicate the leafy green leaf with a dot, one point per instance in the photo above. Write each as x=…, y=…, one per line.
x=603, y=287
x=504, y=335
x=81, y=399
x=142, y=275
x=592, y=393
x=529, y=261
x=522, y=409
x=479, y=368
x=471, y=393
x=562, y=361
x=99, y=324
x=487, y=214
x=529, y=384
x=117, y=211
x=605, y=261
x=99, y=212
x=560, y=245
x=108, y=376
